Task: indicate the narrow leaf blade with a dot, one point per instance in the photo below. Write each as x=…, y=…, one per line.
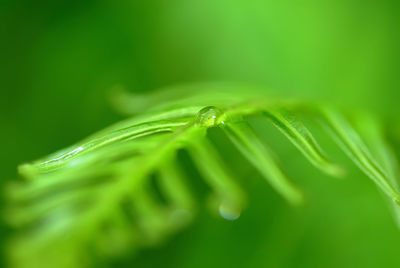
x=374, y=137
x=255, y=151
x=301, y=137
x=218, y=176
x=351, y=143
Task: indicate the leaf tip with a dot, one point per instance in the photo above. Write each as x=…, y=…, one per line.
x=336, y=171
x=396, y=200
x=27, y=171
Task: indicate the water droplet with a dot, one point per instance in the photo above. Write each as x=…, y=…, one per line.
x=210, y=116
x=229, y=212
x=396, y=201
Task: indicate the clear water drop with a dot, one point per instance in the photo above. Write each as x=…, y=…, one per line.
x=210, y=116
x=229, y=212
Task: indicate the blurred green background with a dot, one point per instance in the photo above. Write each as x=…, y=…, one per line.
x=60, y=59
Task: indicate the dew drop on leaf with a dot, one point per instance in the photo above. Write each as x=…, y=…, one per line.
x=210, y=116
x=229, y=212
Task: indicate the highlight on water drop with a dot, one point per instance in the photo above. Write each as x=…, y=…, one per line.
x=211, y=116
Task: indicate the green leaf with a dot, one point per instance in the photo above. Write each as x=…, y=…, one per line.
x=218, y=177
x=301, y=137
x=171, y=180
x=355, y=148
x=151, y=217
x=131, y=132
x=96, y=195
x=256, y=152
x=370, y=129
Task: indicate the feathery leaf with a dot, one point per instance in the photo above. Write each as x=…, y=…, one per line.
x=95, y=199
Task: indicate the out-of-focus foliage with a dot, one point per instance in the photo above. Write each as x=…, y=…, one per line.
x=61, y=58
x=123, y=189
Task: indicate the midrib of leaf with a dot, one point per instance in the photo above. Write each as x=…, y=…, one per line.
x=168, y=117
x=136, y=131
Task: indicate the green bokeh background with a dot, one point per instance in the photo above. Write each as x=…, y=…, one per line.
x=60, y=59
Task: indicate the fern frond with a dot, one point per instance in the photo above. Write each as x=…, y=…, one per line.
x=96, y=198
